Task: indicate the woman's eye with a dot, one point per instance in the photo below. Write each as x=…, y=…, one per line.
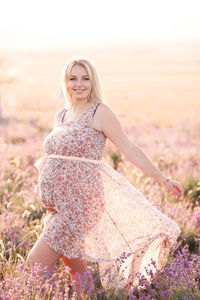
x=74, y=78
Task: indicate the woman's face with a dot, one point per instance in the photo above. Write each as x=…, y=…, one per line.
x=79, y=85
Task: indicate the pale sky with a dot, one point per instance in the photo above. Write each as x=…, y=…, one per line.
x=27, y=24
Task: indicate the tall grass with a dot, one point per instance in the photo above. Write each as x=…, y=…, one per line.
x=174, y=150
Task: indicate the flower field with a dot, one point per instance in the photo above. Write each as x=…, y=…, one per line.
x=172, y=143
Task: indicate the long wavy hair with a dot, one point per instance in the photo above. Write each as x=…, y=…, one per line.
x=96, y=93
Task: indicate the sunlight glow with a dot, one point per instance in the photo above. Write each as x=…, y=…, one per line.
x=61, y=23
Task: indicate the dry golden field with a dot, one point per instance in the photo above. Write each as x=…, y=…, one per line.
x=155, y=91
x=160, y=82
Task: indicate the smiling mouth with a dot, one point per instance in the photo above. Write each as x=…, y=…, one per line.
x=79, y=90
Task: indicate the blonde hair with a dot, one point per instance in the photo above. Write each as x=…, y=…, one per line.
x=96, y=93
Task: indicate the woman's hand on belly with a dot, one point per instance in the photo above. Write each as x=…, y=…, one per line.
x=49, y=210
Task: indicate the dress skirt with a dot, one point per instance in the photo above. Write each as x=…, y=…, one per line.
x=99, y=216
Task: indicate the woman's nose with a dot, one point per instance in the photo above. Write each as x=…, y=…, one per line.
x=79, y=81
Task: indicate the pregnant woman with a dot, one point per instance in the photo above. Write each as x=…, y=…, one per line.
x=95, y=213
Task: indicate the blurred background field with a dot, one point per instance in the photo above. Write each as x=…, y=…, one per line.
x=158, y=81
x=155, y=93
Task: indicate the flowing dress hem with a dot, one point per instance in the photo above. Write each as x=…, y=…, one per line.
x=123, y=255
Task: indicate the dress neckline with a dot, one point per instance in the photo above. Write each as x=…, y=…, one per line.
x=73, y=121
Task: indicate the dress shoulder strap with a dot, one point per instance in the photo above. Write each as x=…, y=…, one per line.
x=58, y=116
x=95, y=107
x=90, y=112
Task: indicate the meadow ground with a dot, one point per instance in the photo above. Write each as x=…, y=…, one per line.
x=155, y=91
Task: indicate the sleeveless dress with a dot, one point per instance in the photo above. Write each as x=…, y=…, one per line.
x=98, y=215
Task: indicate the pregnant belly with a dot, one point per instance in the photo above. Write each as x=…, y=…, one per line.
x=46, y=181
x=79, y=194
x=63, y=184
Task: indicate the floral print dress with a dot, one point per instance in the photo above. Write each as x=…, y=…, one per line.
x=98, y=215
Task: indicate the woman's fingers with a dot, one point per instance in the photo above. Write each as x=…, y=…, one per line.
x=178, y=190
x=50, y=210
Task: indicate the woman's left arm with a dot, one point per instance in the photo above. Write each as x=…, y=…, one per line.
x=112, y=128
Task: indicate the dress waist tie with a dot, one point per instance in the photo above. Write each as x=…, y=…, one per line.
x=39, y=163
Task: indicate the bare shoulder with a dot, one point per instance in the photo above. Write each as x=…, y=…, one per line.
x=105, y=119
x=110, y=125
x=104, y=111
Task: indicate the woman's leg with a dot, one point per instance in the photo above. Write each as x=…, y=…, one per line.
x=77, y=265
x=43, y=254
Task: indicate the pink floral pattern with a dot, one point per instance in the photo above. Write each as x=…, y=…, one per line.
x=97, y=213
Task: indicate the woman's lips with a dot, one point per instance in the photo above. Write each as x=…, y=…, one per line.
x=79, y=91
